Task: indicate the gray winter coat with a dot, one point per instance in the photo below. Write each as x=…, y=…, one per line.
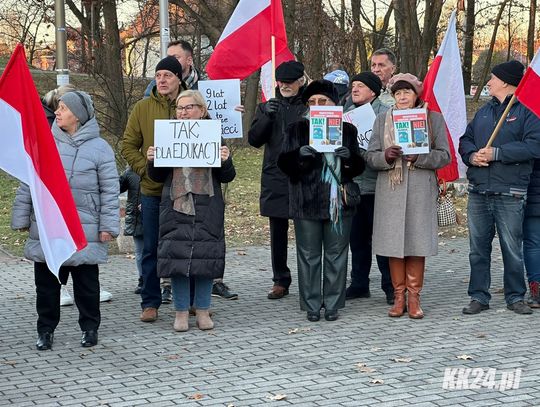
x=91, y=172
x=405, y=219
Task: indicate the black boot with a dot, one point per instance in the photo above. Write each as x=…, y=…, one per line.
x=45, y=341
x=89, y=339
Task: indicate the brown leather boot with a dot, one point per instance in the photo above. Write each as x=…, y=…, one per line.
x=414, y=267
x=398, y=275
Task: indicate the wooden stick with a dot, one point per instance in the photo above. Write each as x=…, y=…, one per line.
x=501, y=121
x=273, y=93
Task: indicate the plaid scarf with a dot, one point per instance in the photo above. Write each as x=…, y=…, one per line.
x=192, y=78
x=187, y=181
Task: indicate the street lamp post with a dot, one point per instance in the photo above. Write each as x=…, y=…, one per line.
x=164, y=27
x=62, y=72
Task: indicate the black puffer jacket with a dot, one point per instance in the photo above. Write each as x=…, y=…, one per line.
x=533, y=192
x=268, y=131
x=309, y=195
x=192, y=245
x=130, y=181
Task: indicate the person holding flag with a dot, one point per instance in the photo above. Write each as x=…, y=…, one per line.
x=90, y=168
x=499, y=172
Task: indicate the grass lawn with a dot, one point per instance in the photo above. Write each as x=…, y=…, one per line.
x=11, y=241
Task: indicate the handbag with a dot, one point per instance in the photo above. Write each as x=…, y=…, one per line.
x=446, y=211
x=350, y=191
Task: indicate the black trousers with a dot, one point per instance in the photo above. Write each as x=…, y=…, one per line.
x=361, y=252
x=279, y=229
x=85, y=292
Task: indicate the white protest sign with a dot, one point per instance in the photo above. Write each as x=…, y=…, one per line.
x=363, y=118
x=222, y=96
x=187, y=143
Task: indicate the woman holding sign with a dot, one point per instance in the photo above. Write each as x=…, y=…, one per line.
x=405, y=219
x=191, y=223
x=321, y=219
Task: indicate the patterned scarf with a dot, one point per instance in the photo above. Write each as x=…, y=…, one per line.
x=396, y=173
x=192, y=78
x=187, y=181
x=331, y=174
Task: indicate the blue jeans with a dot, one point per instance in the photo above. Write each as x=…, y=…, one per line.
x=485, y=212
x=531, y=247
x=138, y=241
x=181, y=288
x=150, y=292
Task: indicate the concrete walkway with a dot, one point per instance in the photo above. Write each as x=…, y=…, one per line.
x=265, y=352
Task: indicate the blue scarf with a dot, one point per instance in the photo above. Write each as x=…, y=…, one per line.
x=331, y=174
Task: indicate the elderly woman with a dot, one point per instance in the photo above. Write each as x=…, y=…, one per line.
x=90, y=169
x=321, y=220
x=405, y=219
x=191, y=224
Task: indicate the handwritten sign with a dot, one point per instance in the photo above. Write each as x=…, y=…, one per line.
x=187, y=143
x=363, y=118
x=222, y=96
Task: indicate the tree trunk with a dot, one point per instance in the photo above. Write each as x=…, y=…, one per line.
x=468, y=40
x=490, y=52
x=530, y=31
x=358, y=35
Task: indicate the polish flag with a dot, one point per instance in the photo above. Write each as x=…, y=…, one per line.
x=245, y=44
x=29, y=153
x=443, y=91
x=527, y=90
x=267, y=79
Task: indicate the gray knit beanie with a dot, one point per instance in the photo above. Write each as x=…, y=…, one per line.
x=80, y=103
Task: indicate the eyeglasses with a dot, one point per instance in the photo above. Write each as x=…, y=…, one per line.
x=319, y=102
x=187, y=108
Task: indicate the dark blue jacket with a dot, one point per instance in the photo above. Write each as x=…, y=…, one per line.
x=533, y=193
x=516, y=145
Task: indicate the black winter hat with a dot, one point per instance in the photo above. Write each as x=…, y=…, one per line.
x=289, y=71
x=509, y=72
x=171, y=64
x=369, y=79
x=321, y=87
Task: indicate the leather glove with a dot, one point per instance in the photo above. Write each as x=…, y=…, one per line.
x=307, y=151
x=272, y=107
x=343, y=152
x=392, y=153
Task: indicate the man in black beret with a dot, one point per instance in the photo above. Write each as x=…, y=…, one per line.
x=498, y=181
x=366, y=88
x=271, y=120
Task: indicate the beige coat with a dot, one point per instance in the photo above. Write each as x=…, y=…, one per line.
x=405, y=220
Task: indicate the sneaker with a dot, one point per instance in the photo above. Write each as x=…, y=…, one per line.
x=104, y=296
x=220, y=289
x=475, y=307
x=353, y=292
x=65, y=297
x=520, y=307
x=166, y=295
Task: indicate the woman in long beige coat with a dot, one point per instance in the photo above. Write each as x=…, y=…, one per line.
x=405, y=219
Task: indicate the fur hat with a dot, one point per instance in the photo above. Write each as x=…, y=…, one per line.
x=369, y=79
x=170, y=64
x=289, y=71
x=409, y=78
x=321, y=87
x=80, y=104
x=509, y=72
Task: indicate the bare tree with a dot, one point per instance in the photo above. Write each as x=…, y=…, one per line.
x=490, y=50
x=531, y=30
x=468, y=46
x=414, y=58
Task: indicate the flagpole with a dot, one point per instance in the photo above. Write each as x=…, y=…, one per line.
x=501, y=121
x=273, y=42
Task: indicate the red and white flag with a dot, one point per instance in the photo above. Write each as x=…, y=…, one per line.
x=527, y=90
x=29, y=153
x=443, y=91
x=245, y=44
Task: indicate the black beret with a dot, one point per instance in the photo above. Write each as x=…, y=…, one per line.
x=289, y=71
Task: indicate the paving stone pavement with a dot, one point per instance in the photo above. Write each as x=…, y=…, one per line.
x=262, y=350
